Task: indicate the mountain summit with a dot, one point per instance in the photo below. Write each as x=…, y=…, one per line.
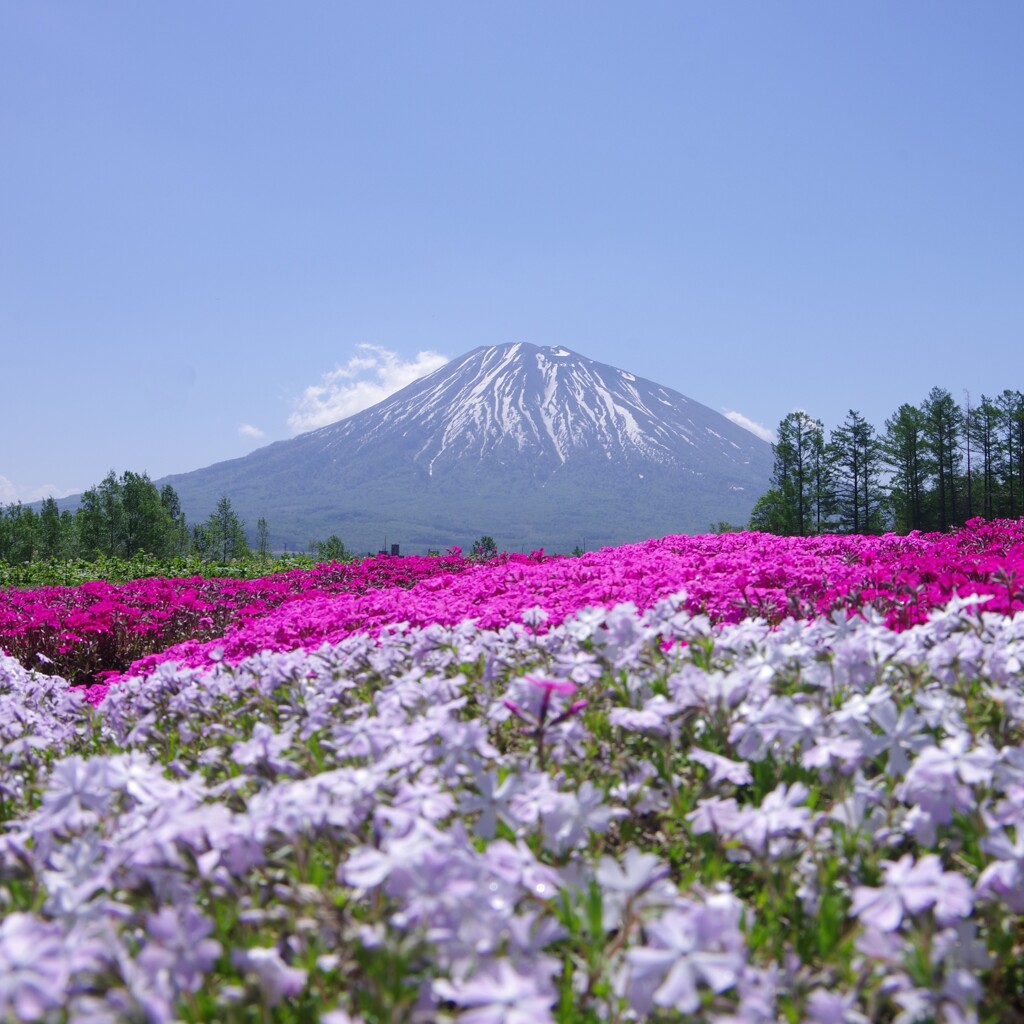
x=534, y=446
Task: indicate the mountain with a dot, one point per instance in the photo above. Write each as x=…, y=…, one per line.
x=537, y=447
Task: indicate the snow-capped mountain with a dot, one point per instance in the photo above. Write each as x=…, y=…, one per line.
x=534, y=446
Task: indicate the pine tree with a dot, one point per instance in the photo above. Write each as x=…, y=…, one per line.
x=943, y=432
x=799, y=473
x=223, y=534
x=903, y=452
x=855, y=456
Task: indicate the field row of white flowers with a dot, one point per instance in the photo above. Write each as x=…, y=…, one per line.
x=629, y=817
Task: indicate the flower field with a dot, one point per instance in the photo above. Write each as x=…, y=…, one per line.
x=737, y=779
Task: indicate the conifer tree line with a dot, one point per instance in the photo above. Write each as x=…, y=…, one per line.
x=119, y=518
x=933, y=467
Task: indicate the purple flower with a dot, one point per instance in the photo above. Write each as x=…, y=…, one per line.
x=492, y=800
x=779, y=814
x=903, y=733
x=911, y=887
x=654, y=717
x=34, y=968
x=76, y=796
x=641, y=880
x=339, y=1016
x=264, y=750
x=694, y=945
x=275, y=978
x=846, y=751
x=569, y=818
x=1004, y=877
x=722, y=769
x=824, y=1007
x=177, y=944
x=499, y=994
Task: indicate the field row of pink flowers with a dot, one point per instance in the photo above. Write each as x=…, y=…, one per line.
x=103, y=632
x=100, y=627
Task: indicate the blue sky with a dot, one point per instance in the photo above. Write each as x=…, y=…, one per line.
x=223, y=223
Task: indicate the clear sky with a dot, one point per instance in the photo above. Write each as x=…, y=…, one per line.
x=222, y=223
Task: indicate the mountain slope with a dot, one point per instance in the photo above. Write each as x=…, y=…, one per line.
x=534, y=446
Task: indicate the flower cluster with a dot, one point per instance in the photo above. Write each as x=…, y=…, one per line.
x=622, y=816
x=98, y=629
x=98, y=632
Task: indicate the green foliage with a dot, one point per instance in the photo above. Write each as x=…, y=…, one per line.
x=717, y=529
x=854, y=452
x=936, y=466
x=124, y=516
x=772, y=513
x=801, y=474
x=73, y=571
x=903, y=451
x=262, y=539
x=19, y=533
x=484, y=547
x=126, y=528
x=331, y=550
x=222, y=536
x=943, y=428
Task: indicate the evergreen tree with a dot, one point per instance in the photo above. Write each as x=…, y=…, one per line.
x=1010, y=454
x=177, y=538
x=799, y=473
x=89, y=526
x=146, y=524
x=903, y=452
x=943, y=432
x=484, y=547
x=855, y=456
x=109, y=497
x=984, y=425
x=223, y=534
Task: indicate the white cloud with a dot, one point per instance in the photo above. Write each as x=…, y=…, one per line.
x=365, y=380
x=10, y=492
x=748, y=424
x=248, y=430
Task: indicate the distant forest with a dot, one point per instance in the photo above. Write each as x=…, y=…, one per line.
x=933, y=467
x=119, y=518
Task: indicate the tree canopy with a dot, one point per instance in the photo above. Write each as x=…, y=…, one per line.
x=934, y=466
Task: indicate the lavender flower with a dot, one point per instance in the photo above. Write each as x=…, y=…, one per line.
x=824, y=1007
x=35, y=968
x=691, y=946
x=500, y=994
x=639, y=882
x=910, y=887
x=178, y=947
x=722, y=769
x=275, y=978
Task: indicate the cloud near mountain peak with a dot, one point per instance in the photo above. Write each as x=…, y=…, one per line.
x=758, y=429
x=366, y=379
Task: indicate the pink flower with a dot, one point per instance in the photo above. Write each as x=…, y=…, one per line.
x=553, y=685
